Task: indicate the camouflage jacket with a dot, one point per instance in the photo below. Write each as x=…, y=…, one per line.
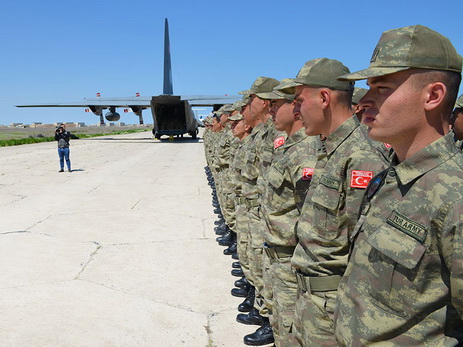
x=344, y=167
x=223, y=148
x=250, y=172
x=404, y=282
x=238, y=165
x=286, y=184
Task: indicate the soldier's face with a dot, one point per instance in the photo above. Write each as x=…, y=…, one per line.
x=257, y=106
x=284, y=118
x=392, y=108
x=239, y=128
x=274, y=106
x=223, y=119
x=248, y=118
x=309, y=106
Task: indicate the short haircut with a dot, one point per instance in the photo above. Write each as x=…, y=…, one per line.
x=449, y=78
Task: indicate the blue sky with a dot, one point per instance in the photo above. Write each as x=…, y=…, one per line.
x=63, y=50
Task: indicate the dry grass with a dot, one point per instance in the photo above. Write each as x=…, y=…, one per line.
x=7, y=133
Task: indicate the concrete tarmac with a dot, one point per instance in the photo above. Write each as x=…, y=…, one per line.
x=119, y=252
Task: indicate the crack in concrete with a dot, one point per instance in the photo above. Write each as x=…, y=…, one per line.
x=39, y=222
x=210, y=340
x=92, y=255
x=92, y=190
x=15, y=232
x=136, y=204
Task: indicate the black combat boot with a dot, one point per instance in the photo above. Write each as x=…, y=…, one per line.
x=237, y=272
x=226, y=239
x=242, y=282
x=252, y=318
x=221, y=229
x=231, y=249
x=236, y=265
x=262, y=336
x=248, y=303
x=241, y=292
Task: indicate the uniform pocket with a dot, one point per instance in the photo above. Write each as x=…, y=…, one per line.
x=327, y=201
x=395, y=259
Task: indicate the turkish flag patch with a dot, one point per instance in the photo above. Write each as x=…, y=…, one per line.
x=307, y=174
x=360, y=179
x=278, y=142
x=387, y=145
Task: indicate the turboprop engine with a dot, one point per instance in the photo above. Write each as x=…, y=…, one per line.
x=112, y=115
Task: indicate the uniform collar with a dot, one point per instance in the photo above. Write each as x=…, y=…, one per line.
x=425, y=160
x=298, y=136
x=337, y=137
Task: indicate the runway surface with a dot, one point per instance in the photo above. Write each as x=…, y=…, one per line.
x=120, y=252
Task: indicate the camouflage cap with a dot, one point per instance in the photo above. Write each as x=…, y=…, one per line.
x=219, y=111
x=278, y=94
x=358, y=94
x=459, y=102
x=244, y=101
x=228, y=108
x=207, y=120
x=321, y=72
x=410, y=47
x=237, y=116
x=237, y=105
x=261, y=85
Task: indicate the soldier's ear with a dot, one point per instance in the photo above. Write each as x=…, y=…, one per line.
x=434, y=95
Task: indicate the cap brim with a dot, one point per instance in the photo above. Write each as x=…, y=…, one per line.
x=245, y=92
x=371, y=72
x=270, y=96
x=290, y=87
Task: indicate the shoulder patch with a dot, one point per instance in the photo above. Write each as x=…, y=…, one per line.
x=408, y=226
x=278, y=142
x=360, y=178
x=307, y=173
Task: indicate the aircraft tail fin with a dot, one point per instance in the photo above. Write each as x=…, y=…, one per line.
x=168, y=86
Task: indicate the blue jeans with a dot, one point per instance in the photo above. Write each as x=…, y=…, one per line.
x=64, y=154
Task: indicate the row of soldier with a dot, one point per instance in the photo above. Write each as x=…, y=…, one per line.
x=345, y=208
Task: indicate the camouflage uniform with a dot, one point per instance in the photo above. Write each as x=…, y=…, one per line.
x=287, y=181
x=241, y=225
x=404, y=282
x=251, y=218
x=223, y=157
x=345, y=164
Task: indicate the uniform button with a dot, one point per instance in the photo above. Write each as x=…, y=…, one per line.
x=392, y=173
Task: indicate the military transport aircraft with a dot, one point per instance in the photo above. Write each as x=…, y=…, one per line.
x=172, y=114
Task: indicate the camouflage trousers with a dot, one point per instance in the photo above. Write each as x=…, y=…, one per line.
x=314, y=317
x=284, y=286
x=242, y=242
x=256, y=261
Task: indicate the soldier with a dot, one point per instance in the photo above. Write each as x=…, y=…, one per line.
x=404, y=282
x=259, y=119
x=457, y=122
x=286, y=184
x=346, y=162
x=356, y=96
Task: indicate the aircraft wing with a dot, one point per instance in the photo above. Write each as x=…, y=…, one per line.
x=210, y=100
x=143, y=102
